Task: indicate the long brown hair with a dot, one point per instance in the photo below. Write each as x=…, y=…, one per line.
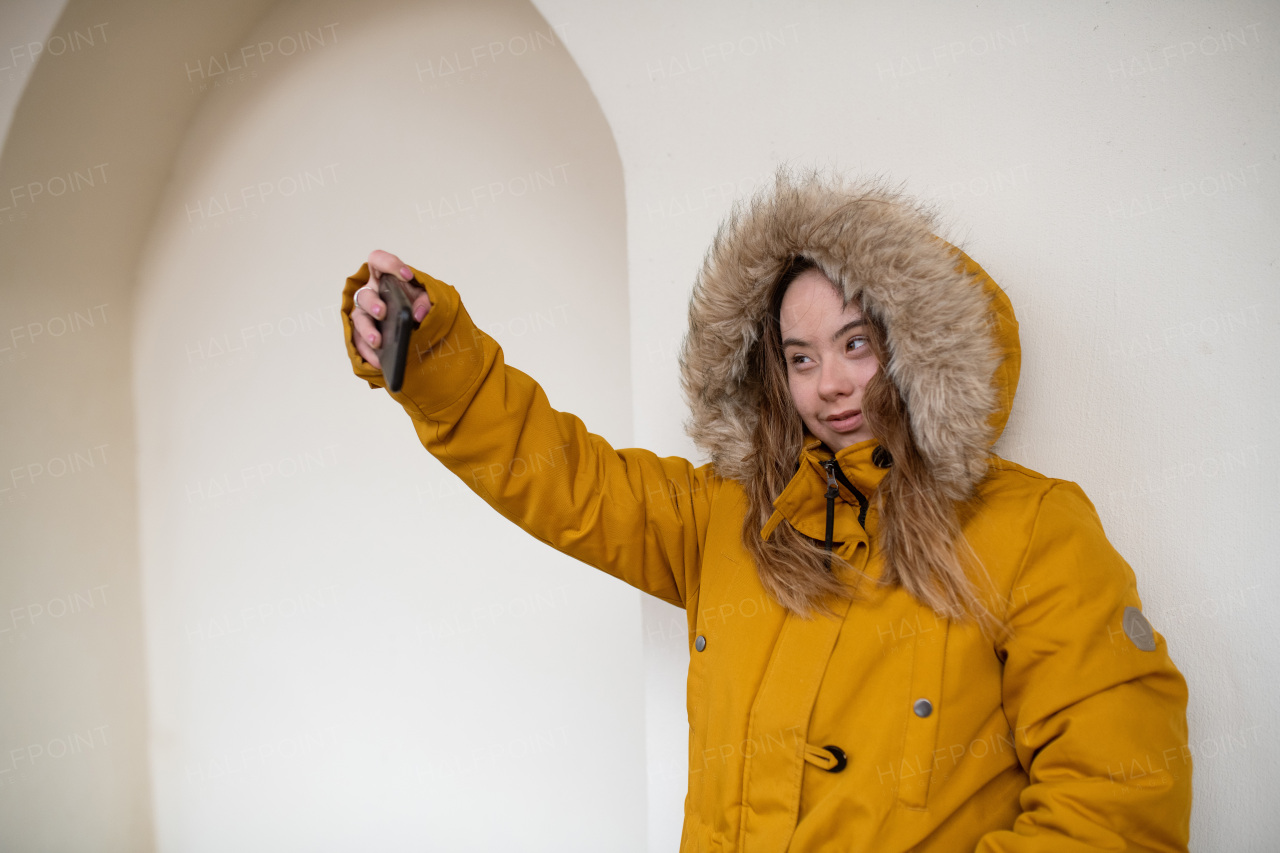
x=919, y=534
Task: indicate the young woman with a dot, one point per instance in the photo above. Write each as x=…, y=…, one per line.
x=898, y=640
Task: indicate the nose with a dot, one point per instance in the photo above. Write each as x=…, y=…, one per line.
x=835, y=380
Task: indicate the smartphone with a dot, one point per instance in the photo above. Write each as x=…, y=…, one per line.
x=395, y=329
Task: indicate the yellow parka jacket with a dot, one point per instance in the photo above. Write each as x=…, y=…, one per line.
x=886, y=728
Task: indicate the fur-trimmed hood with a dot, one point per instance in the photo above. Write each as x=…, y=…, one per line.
x=951, y=333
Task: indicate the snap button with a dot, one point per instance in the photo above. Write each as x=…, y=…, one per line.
x=700, y=643
x=922, y=707
x=842, y=761
x=881, y=458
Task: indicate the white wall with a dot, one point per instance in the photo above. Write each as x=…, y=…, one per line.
x=348, y=649
x=89, y=147
x=1113, y=166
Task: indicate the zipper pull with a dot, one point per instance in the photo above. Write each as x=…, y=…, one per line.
x=832, y=489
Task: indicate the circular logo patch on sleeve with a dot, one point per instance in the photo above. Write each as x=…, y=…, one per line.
x=1139, y=630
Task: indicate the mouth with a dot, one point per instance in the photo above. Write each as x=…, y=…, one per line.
x=845, y=421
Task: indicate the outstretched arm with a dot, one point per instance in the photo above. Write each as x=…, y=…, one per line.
x=639, y=517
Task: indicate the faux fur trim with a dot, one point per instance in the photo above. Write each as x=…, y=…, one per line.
x=876, y=243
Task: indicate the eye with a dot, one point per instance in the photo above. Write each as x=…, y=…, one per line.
x=795, y=359
x=858, y=342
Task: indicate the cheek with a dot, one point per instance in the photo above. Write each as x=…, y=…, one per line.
x=867, y=369
x=797, y=391
x=801, y=399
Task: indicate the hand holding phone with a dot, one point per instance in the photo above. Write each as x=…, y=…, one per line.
x=395, y=329
x=372, y=309
x=370, y=306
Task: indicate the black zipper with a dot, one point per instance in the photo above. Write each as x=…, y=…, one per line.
x=832, y=491
x=833, y=468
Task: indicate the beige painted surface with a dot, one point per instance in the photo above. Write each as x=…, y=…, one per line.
x=348, y=649
x=1111, y=165
x=103, y=108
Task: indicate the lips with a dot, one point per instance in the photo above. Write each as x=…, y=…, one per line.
x=845, y=421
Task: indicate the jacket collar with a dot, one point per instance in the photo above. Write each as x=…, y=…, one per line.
x=803, y=501
x=856, y=461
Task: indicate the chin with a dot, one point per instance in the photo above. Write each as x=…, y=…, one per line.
x=839, y=441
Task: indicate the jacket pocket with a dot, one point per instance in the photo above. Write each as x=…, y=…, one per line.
x=924, y=713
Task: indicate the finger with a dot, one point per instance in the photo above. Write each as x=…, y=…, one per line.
x=365, y=337
x=368, y=353
x=372, y=304
x=386, y=262
x=361, y=332
x=421, y=306
x=366, y=329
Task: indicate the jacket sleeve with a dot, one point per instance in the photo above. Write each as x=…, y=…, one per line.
x=630, y=513
x=1097, y=706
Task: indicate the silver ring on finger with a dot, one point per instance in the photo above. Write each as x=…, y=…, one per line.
x=355, y=299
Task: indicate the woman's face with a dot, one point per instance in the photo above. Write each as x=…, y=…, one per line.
x=829, y=360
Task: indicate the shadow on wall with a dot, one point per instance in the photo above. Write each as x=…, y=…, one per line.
x=328, y=654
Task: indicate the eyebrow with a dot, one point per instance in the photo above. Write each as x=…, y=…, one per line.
x=852, y=324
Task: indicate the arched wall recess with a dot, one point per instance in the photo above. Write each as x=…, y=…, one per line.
x=351, y=646
x=344, y=641
x=102, y=109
